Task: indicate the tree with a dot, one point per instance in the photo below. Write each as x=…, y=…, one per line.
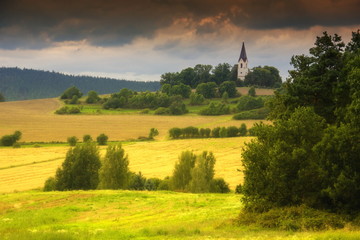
x=208, y=90
x=196, y=99
x=92, y=97
x=221, y=73
x=2, y=98
x=72, y=140
x=137, y=181
x=114, y=172
x=187, y=76
x=153, y=133
x=87, y=138
x=202, y=74
x=80, y=170
x=203, y=173
x=10, y=140
x=170, y=78
x=252, y=92
x=182, y=171
x=71, y=92
x=181, y=89
x=175, y=133
x=248, y=103
x=263, y=77
x=242, y=130
x=228, y=87
x=102, y=139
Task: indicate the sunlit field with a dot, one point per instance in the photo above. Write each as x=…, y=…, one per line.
x=38, y=123
x=28, y=168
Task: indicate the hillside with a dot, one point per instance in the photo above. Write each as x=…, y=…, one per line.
x=22, y=84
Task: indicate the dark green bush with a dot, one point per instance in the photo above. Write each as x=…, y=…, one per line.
x=72, y=140
x=87, y=138
x=162, y=111
x=218, y=185
x=50, y=184
x=102, y=139
x=137, y=181
x=71, y=92
x=196, y=99
x=10, y=140
x=68, y=110
x=248, y=103
x=175, y=133
x=215, y=109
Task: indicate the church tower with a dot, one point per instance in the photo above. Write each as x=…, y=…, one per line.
x=243, y=69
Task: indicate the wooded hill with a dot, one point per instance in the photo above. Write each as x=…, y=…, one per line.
x=23, y=84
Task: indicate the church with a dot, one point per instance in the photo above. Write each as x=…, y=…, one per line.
x=243, y=69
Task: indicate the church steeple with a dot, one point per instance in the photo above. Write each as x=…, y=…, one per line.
x=243, y=69
x=243, y=53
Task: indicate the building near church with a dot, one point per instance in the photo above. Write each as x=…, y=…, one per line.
x=243, y=69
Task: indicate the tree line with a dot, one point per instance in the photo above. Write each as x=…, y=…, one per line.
x=83, y=169
x=217, y=132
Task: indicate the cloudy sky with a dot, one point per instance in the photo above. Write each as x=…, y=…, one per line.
x=141, y=39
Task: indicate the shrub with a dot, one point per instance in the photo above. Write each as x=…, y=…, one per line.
x=72, y=140
x=260, y=113
x=87, y=138
x=153, y=133
x=50, y=184
x=215, y=109
x=196, y=99
x=232, y=131
x=67, y=110
x=248, y=103
x=10, y=140
x=137, y=181
x=74, y=110
x=71, y=92
x=175, y=133
x=242, y=130
x=102, y=139
x=228, y=87
x=208, y=90
x=164, y=184
x=92, y=97
x=177, y=108
x=219, y=185
x=74, y=100
x=145, y=111
x=215, y=132
x=190, y=132
x=152, y=184
x=162, y=111
x=252, y=92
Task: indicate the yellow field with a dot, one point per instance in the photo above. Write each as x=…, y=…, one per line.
x=28, y=168
x=35, y=119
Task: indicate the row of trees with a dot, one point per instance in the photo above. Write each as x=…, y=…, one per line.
x=217, y=132
x=310, y=155
x=83, y=169
x=266, y=76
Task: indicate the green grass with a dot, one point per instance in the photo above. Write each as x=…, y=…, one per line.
x=133, y=215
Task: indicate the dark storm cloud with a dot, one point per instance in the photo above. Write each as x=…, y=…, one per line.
x=39, y=23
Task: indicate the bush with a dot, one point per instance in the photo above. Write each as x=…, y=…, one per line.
x=252, y=92
x=164, y=184
x=71, y=92
x=242, y=130
x=10, y=140
x=257, y=114
x=87, y=138
x=208, y=90
x=196, y=99
x=175, y=133
x=74, y=100
x=50, y=184
x=232, y=131
x=215, y=132
x=152, y=184
x=215, y=109
x=67, y=110
x=16, y=145
x=102, y=139
x=228, y=87
x=137, y=181
x=218, y=185
x=223, y=132
x=92, y=97
x=162, y=111
x=248, y=103
x=153, y=133
x=72, y=140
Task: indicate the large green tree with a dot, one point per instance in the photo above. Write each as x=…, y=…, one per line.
x=266, y=76
x=182, y=172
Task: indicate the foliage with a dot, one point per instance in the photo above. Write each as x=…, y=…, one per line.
x=21, y=84
x=153, y=133
x=266, y=76
x=194, y=132
x=162, y=111
x=87, y=138
x=71, y=92
x=137, y=181
x=10, y=140
x=248, y=103
x=208, y=90
x=252, y=92
x=295, y=218
x=228, y=87
x=102, y=139
x=2, y=98
x=196, y=99
x=182, y=171
x=92, y=97
x=218, y=185
x=72, y=140
x=221, y=73
x=215, y=109
x=174, y=90
x=232, y=131
x=203, y=173
x=80, y=168
x=68, y=110
x=260, y=113
x=50, y=184
x=114, y=172
x=242, y=130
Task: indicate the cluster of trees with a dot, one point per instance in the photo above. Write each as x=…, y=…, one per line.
x=214, y=109
x=10, y=140
x=84, y=169
x=310, y=155
x=22, y=84
x=68, y=110
x=263, y=77
x=101, y=139
x=217, y=132
x=211, y=90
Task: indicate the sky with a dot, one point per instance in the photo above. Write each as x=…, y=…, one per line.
x=142, y=39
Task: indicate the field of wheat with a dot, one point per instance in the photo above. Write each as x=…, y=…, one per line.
x=28, y=168
x=37, y=122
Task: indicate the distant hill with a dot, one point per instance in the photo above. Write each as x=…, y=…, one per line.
x=23, y=84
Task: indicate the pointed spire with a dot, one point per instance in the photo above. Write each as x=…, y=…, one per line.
x=243, y=53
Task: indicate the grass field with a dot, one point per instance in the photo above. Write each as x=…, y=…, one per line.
x=35, y=119
x=28, y=168
x=134, y=215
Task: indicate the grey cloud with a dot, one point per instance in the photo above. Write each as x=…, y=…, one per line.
x=38, y=23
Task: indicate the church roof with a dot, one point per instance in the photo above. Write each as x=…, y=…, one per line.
x=243, y=53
